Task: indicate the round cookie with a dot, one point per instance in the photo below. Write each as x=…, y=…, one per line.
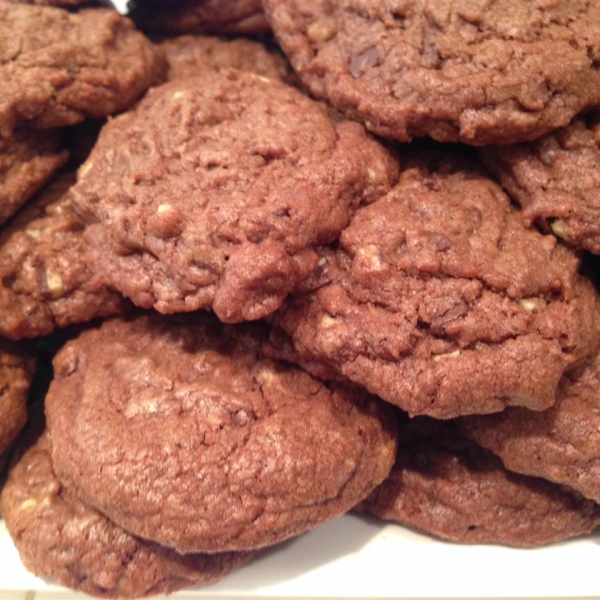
x=561, y=444
x=475, y=72
x=45, y=279
x=446, y=485
x=189, y=55
x=556, y=180
x=27, y=161
x=201, y=16
x=16, y=372
x=60, y=537
x=179, y=431
x=214, y=190
x=440, y=301
x=59, y=68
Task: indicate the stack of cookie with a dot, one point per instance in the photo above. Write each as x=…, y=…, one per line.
x=306, y=311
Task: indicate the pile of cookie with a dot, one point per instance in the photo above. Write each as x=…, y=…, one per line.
x=274, y=292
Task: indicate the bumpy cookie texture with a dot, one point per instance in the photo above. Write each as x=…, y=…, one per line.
x=446, y=485
x=476, y=72
x=186, y=435
x=214, y=190
x=556, y=180
x=45, y=277
x=201, y=16
x=27, y=161
x=561, y=444
x=16, y=372
x=58, y=68
x=60, y=537
x=439, y=300
x=189, y=56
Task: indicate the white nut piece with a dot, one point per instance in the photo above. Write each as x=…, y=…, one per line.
x=84, y=169
x=319, y=33
x=559, y=228
x=29, y=503
x=266, y=376
x=448, y=355
x=163, y=208
x=55, y=285
x=527, y=304
x=371, y=253
x=327, y=322
x=33, y=233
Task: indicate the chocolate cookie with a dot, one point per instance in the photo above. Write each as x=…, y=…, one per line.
x=561, y=444
x=214, y=190
x=45, y=279
x=476, y=72
x=189, y=56
x=556, y=180
x=181, y=432
x=447, y=486
x=60, y=537
x=58, y=68
x=27, y=161
x=201, y=16
x=439, y=300
x=16, y=371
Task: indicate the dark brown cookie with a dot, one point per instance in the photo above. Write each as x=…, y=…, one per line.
x=45, y=279
x=214, y=190
x=16, y=372
x=448, y=486
x=180, y=431
x=439, y=300
x=60, y=537
x=561, y=444
x=476, y=72
x=65, y=3
x=58, y=68
x=201, y=16
x=556, y=180
x=27, y=161
x=189, y=56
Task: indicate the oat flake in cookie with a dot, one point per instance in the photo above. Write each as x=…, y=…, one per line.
x=45, y=279
x=561, y=444
x=475, y=72
x=186, y=435
x=446, y=485
x=556, y=180
x=60, y=537
x=439, y=300
x=213, y=192
x=57, y=68
x=16, y=371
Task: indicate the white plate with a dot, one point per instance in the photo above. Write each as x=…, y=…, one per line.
x=354, y=557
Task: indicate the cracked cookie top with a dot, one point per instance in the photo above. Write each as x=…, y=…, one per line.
x=213, y=192
x=439, y=300
x=45, y=277
x=446, y=485
x=27, y=161
x=57, y=67
x=561, y=444
x=556, y=180
x=181, y=432
x=483, y=72
x=58, y=536
x=190, y=55
x=16, y=372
